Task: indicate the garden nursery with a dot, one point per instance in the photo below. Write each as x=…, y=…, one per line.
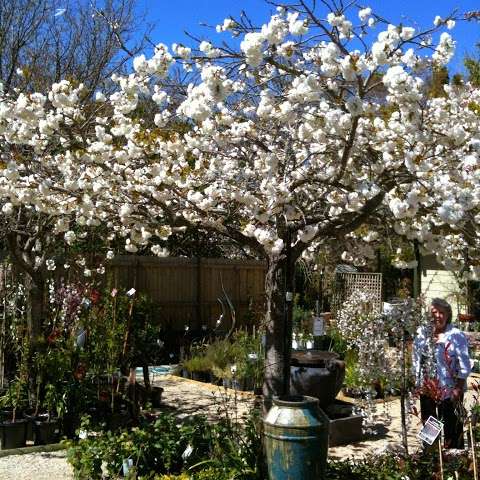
x=245, y=250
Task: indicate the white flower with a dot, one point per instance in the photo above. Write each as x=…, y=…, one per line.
x=295, y=26
x=159, y=251
x=130, y=246
x=252, y=46
x=50, y=265
x=228, y=24
x=7, y=209
x=140, y=63
x=110, y=255
x=364, y=14
x=70, y=237
x=208, y=49
x=445, y=49
x=450, y=24
x=407, y=33
x=87, y=272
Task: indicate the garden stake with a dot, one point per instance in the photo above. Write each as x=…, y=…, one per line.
x=472, y=441
x=403, y=396
x=440, y=456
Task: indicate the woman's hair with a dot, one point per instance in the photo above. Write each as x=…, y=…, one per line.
x=442, y=304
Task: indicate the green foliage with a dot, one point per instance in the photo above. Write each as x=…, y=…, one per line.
x=16, y=396
x=472, y=65
x=236, y=451
x=220, y=451
x=153, y=447
x=394, y=467
x=352, y=376
x=248, y=356
x=198, y=364
x=301, y=318
x=243, y=350
x=220, y=353
x=334, y=342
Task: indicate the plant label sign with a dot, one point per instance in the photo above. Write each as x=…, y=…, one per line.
x=318, y=326
x=430, y=430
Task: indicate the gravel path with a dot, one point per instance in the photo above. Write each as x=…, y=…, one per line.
x=186, y=397
x=36, y=466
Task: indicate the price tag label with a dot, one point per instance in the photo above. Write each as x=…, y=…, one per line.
x=431, y=430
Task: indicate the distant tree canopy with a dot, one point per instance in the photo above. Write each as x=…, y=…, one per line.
x=84, y=41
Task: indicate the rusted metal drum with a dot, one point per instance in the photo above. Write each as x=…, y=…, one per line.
x=318, y=374
x=296, y=439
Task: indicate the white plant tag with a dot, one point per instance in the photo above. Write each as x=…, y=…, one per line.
x=318, y=326
x=430, y=430
x=188, y=451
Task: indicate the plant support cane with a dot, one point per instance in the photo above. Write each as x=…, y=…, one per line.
x=472, y=440
x=440, y=459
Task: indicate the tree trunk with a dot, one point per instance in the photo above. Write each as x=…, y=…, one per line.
x=36, y=306
x=278, y=320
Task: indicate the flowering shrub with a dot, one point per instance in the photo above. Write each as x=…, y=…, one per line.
x=380, y=345
x=377, y=338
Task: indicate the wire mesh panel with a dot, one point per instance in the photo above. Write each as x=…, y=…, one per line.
x=347, y=283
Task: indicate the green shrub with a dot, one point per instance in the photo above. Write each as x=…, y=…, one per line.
x=154, y=448
x=225, y=450
x=423, y=466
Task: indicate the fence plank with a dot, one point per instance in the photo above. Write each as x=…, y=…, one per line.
x=186, y=290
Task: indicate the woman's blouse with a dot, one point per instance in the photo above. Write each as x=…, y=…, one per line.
x=446, y=360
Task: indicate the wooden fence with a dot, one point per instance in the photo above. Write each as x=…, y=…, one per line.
x=187, y=290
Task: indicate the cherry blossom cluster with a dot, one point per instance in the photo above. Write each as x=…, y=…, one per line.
x=317, y=123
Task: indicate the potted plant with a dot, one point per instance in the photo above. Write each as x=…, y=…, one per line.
x=13, y=430
x=47, y=426
x=199, y=368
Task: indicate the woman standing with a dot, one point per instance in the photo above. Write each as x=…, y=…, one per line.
x=442, y=365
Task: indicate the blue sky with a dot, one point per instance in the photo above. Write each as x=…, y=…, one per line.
x=173, y=17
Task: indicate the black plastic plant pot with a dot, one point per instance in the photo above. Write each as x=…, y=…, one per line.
x=6, y=415
x=30, y=418
x=46, y=431
x=13, y=434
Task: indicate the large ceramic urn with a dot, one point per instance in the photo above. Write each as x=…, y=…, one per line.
x=316, y=373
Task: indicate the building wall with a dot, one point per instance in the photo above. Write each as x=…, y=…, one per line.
x=441, y=283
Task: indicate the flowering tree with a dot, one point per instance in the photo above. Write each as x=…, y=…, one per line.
x=302, y=135
x=41, y=44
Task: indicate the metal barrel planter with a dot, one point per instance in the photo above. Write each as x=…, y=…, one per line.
x=296, y=439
